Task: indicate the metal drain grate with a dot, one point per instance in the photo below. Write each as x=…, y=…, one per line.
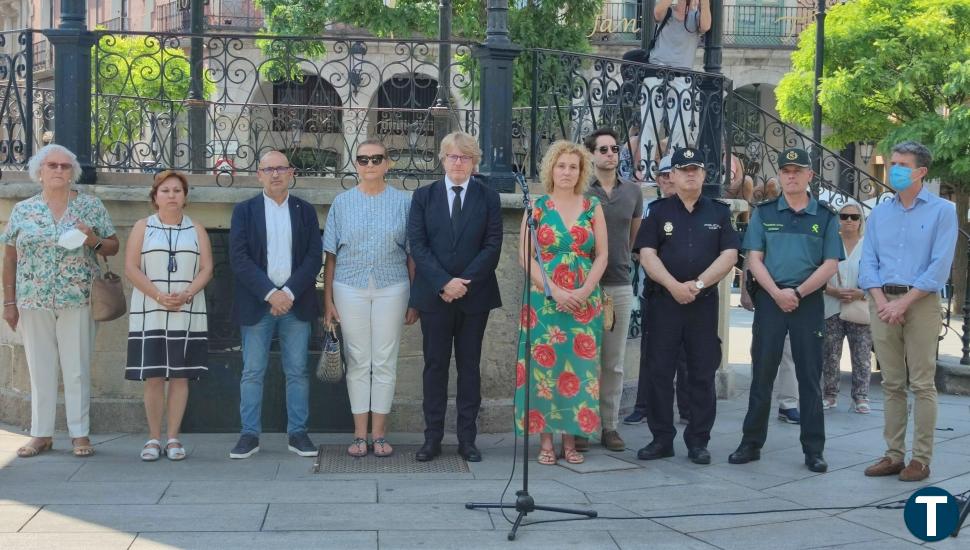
x=333, y=459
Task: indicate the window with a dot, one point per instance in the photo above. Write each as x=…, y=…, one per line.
x=312, y=105
x=403, y=103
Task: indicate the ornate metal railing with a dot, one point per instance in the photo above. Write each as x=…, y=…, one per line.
x=17, y=131
x=652, y=108
x=315, y=109
x=43, y=55
x=116, y=24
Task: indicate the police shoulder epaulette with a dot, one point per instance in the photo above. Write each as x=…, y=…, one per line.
x=766, y=202
x=723, y=203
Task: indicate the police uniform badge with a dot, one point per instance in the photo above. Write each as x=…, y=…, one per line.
x=669, y=229
x=688, y=154
x=792, y=155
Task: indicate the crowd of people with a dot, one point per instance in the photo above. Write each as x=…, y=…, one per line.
x=814, y=276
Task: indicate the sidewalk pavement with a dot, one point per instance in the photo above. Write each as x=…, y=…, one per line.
x=273, y=500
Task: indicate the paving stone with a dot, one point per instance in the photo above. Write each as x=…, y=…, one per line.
x=654, y=474
x=629, y=521
x=190, y=469
x=14, y=516
x=156, y=517
x=658, y=540
x=698, y=523
x=494, y=539
x=23, y=470
x=66, y=541
x=794, y=535
x=294, y=540
x=65, y=492
x=355, y=517
x=432, y=491
x=841, y=488
x=660, y=498
x=885, y=544
x=254, y=492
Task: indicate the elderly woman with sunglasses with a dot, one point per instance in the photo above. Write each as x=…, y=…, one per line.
x=841, y=293
x=48, y=269
x=368, y=273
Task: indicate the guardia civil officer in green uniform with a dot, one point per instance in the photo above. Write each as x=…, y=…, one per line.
x=794, y=247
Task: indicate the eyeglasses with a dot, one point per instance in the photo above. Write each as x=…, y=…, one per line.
x=58, y=165
x=603, y=149
x=459, y=158
x=275, y=170
x=364, y=160
x=853, y=217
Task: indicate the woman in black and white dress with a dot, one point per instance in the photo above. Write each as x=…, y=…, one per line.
x=168, y=260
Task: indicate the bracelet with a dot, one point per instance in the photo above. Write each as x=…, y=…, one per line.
x=797, y=293
x=13, y=303
x=97, y=246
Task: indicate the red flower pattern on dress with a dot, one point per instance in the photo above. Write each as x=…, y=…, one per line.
x=568, y=384
x=556, y=335
x=585, y=314
x=588, y=420
x=519, y=374
x=527, y=317
x=564, y=277
x=547, y=257
x=546, y=235
x=544, y=355
x=537, y=422
x=579, y=234
x=585, y=346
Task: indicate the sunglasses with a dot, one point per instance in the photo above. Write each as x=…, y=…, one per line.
x=603, y=149
x=276, y=170
x=364, y=160
x=853, y=217
x=58, y=165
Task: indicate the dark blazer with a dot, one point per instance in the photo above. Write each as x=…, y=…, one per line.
x=247, y=257
x=440, y=256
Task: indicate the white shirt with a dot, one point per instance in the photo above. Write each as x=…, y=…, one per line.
x=848, y=273
x=279, y=243
x=451, y=194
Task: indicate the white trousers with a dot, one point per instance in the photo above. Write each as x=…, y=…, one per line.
x=613, y=355
x=668, y=111
x=785, y=382
x=371, y=320
x=55, y=340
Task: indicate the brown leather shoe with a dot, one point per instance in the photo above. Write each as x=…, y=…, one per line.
x=611, y=440
x=916, y=471
x=885, y=467
x=582, y=444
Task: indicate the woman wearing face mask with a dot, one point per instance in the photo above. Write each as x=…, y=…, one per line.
x=842, y=292
x=48, y=268
x=168, y=260
x=368, y=273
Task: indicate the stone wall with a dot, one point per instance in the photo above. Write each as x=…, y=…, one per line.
x=116, y=404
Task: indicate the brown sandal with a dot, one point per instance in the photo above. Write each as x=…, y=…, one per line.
x=29, y=451
x=82, y=449
x=547, y=457
x=573, y=456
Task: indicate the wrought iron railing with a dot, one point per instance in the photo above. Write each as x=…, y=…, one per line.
x=252, y=21
x=116, y=24
x=169, y=18
x=43, y=55
x=16, y=97
x=747, y=24
x=315, y=108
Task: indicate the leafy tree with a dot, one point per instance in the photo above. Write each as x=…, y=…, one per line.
x=893, y=70
x=138, y=82
x=553, y=24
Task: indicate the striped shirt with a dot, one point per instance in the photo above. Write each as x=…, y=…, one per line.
x=368, y=236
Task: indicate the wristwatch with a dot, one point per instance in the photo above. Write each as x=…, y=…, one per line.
x=699, y=284
x=797, y=293
x=98, y=245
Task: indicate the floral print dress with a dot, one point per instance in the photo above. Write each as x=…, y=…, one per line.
x=565, y=362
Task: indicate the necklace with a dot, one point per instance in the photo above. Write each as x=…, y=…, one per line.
x=173, y=264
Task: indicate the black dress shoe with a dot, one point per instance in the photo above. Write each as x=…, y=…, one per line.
x=469, y=452
x=746, y=453
x=655, y=450
x=816, y=463
x=699, y=455
x=428, y=451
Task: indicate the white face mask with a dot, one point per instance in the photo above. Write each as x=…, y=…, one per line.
x=72, y=239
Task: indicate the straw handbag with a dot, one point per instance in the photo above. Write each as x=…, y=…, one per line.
x=331, y=368
x=107, y=296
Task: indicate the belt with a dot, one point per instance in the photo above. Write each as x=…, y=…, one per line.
x=895, y=289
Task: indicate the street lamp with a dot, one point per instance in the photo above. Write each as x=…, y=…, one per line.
x=865, y=150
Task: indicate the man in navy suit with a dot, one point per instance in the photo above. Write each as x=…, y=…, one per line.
x=275, y=253
x=455, y=235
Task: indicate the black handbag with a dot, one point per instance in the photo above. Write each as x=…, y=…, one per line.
x=331, y=368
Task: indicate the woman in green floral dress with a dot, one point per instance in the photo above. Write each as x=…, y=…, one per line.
x=565, y=332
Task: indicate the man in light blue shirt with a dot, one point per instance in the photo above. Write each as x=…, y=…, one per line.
x=906, y=260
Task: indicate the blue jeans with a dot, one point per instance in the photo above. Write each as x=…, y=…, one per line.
x=294, y=337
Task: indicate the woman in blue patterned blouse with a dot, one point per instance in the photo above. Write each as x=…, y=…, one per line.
x=47, y=278
x=368, y=273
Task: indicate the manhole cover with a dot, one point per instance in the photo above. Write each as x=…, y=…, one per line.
x=333, y=459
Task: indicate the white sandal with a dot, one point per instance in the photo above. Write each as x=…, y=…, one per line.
x=174, y=453
x=150, y=452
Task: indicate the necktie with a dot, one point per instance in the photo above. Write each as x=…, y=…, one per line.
x=456, y=208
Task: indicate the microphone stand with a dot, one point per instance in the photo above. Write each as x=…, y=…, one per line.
x=524, y=503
